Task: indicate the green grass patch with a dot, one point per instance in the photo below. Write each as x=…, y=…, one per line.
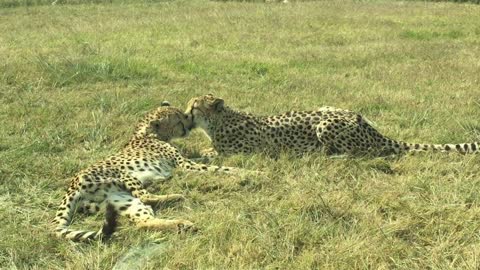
x=33, y=3
x=75, y=78
x=62, y=72
x=458, y=1
x=429, y=35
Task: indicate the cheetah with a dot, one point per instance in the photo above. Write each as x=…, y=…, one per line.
x=328, y=129
x=119, y=181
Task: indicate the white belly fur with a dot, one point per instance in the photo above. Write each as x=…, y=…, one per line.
x=153, y=175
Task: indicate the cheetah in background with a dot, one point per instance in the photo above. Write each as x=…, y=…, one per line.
x=118, y=181
x=328, y=129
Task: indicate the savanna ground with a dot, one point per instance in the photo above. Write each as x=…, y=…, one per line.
x=74, y=80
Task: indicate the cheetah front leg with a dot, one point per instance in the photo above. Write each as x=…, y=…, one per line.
x=206, y=156
x=209, y=154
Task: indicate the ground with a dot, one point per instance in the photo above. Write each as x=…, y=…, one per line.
x=75, y=78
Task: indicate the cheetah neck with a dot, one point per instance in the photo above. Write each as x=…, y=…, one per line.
x=141, y=134
x=228, y=115
x=225, y=119
x=229, y=112
x=140, y=131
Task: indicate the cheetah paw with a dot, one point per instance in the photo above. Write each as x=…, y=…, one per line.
x=186, y=226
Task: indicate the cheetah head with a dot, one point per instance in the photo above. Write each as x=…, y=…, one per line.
x=165, y=123
x=203, y=108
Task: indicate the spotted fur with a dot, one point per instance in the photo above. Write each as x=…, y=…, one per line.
x=328, y=129
x=120, y=179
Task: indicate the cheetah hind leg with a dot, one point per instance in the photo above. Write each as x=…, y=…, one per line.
x=333, y=137
x=88, y=207
x=142, y=215
x=178, y=225
x=137, y=190
x=152, y=199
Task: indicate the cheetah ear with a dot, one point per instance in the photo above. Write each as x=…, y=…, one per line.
x=217, y=104
x=165, y=103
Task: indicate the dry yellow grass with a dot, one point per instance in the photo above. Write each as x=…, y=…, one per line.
x=75, y=78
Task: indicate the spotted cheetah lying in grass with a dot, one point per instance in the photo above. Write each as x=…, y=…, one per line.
x=118, y=181
x=334, y=131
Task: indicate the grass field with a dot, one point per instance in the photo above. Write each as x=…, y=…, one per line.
x=74, y=79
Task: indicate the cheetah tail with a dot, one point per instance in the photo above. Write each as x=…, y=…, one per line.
x=463, y=148
x=111, y=222
x=109, y=227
